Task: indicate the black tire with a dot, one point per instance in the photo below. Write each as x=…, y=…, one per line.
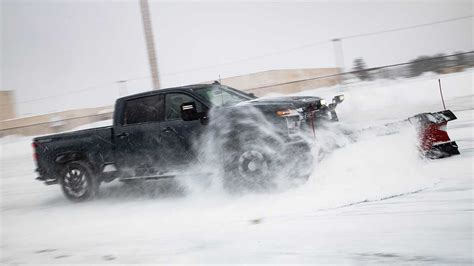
x=248, y=168
x=78, y=182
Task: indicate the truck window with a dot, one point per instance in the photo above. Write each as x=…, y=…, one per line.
x=143, y=110
x=173, y=104
x=221, y=95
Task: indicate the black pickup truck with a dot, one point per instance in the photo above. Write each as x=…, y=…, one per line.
x=158, y=134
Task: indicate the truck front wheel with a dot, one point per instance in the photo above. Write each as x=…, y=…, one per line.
x=78, y=182
x=249, y=168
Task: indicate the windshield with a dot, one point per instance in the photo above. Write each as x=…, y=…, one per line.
x=222, y=96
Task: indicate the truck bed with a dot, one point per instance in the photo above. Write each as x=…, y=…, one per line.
x=95, y=144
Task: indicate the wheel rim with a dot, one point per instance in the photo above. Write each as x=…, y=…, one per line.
x=252, y=164
x=75, y=182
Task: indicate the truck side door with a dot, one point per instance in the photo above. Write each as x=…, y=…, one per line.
x=180, y=138
x=137, y=135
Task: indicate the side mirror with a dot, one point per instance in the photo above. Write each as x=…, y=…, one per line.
x=189, y=112
x=338, y=99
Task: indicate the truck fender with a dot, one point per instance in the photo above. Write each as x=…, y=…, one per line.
x=69, y=156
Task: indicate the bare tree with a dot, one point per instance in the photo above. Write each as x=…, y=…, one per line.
x=360, y=68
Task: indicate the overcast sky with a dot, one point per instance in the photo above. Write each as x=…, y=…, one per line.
x=76, y=50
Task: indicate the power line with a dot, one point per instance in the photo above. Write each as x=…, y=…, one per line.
x=287, y=50
x=315, y=43
x=405, y=28
x=166, y=74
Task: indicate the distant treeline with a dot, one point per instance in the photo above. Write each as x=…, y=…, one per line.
x=438, y=63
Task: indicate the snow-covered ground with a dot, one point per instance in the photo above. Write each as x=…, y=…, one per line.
x=370, y=202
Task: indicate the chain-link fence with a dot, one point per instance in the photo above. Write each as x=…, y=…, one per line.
x=443, y=64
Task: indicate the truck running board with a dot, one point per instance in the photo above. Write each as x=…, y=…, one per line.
x=148, y=177
x=162, y=176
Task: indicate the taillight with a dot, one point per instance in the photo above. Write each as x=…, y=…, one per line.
x=35, y=153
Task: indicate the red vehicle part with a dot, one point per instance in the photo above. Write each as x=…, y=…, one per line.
x=434, y=139
x=34, y=145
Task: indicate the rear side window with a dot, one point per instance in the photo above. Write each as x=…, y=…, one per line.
x=143, y=110
x=173, y=105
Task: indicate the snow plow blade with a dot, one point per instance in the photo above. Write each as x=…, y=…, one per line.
x=434, y=140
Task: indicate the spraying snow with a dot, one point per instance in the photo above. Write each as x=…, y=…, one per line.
x=194, y=219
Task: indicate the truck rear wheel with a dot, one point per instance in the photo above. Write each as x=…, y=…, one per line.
x=78, y=182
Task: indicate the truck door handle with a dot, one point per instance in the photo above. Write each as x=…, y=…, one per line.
x=169, y=130
x=123, y=135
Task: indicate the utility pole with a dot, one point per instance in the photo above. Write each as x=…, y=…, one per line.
x=339, y=56
x=150, y=44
